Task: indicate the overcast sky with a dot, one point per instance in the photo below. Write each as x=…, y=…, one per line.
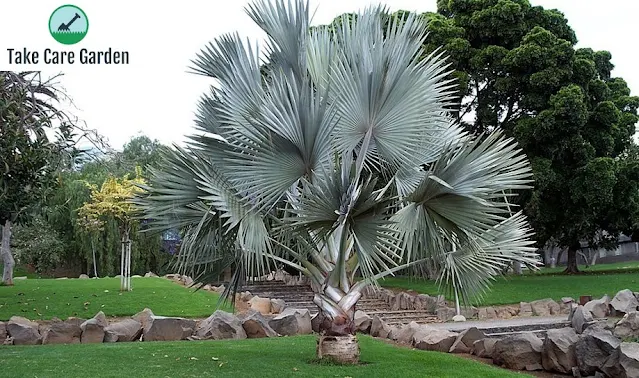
x=154, y=94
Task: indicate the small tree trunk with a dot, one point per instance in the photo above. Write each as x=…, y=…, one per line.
x=128, y=264
x=594, y=258
x=517, y=268
x=122, y=258
x=95, y=266
x=571, y=264
x=7, y=257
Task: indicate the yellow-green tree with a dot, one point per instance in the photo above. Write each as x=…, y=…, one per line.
x=112, y=200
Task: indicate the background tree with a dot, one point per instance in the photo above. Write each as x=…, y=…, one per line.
x=112, y=200
x=519, y=72
x=36, y=139
x=319, y=167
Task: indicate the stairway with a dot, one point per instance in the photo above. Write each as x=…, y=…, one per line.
x=301, y=296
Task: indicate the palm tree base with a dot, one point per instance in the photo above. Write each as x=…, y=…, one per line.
x=338, y=349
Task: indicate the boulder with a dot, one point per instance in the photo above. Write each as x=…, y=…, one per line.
x=565, y=305
x=545, y=307
x=362, y=321
x=188, y=281
x=469, y=312
x=394, y=332
x=507, y=312
x=445, y=313
x=144, y=317
x=23, y=331
x=124, y=330
x=594, y=348
x=3, y=331
x=277, y=305
x=292, y=321
x=487, y=313
x=598, y=307
x=150, y=274
x=379, y=328
x=83, y=277
x=439, y=340
x=581, y=319
x=428, y=303
x=624, y=362
x=67, y=332
x=459, y=318
x=93, y=329
x=484, y=347
x=465, y=340
x=405, y=335
x=558, y=352
x=162, y=328
x=628, y=326
x=519, y=352
x=256, y=326
x=624, y=302
x=315, y=322
x=525, y=309
x=220, y=325
x=262, y=305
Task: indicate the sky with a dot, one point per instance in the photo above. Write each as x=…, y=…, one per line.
x=155, y=95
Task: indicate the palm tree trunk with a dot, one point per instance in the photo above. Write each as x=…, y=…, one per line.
x=337, y=341
x=7, y=257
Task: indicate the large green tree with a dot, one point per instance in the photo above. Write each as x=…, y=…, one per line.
x=319, y=167
x=519, y=71
x=36, y=139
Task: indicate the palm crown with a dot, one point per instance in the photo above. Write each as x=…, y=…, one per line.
x=337, y=158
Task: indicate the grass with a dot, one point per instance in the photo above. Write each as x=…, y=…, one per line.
x=532, y=286
x=47, y=298
x=273, y=357
x=620, y=267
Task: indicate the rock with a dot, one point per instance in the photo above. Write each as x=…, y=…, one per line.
x=624, y=302
x=161, y=328
x=220, y=325
x=428, y=338
x=394, y=332
x=150, y=274
x=93, y=329
x=23, y=331
x=594, y=348
x=507, y=312
x=558, y=352
x=429, y=303
x=445, y=313
x=624, y=362
x=3, y=331
x=545, y=307
x=598, y=307
x=83, y=277
x=292, y=322
x=487, y=313
x=459, y=318
x=525, y=309
x=262, y=305
x=67, y=332
x=405, y=335
x=628, y=326
x=125, y=330
x=465, y=340
x=136, y=276
x=484, y=347
x=110, y=336
x=565, y=305
x=379, y=328
x=581, y=319
x=144, y=317
x=220, y=289
x=256, y=326
x=277, y=305
x=519, y=352
x=362, y=321
x=470, y=312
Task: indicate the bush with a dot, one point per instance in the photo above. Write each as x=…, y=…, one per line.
x=37, y=245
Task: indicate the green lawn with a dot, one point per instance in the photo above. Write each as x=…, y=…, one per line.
x=529, y=287
x=47, y=298
x=621, y=267
x=274, y=357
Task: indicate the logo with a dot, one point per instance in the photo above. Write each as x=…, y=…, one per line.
x=68, y=24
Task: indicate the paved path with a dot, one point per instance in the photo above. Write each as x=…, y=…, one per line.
x=501, y=323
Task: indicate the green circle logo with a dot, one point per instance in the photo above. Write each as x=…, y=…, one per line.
x=68, y=24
